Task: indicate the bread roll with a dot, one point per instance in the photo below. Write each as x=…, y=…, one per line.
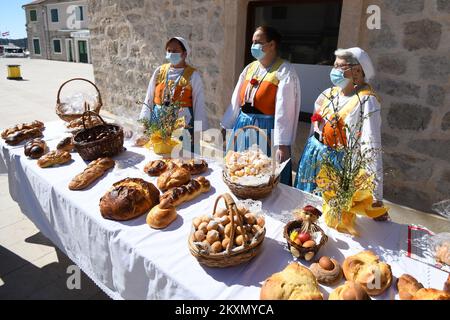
x=407, y=287
x=66, y=145
x=295, y=282
x=129, y=199
x=54, y=158
x=173, y=178
x=349, y=291
x=366, y=269
x=176, y=196
x=35, y=148
x=93, y=171
x=157, y=167
x=159, y=218
x=431, y=294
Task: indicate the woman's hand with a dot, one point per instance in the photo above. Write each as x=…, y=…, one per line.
x=283, y=153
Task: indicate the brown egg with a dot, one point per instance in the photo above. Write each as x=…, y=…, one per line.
x=196, y=222
x=250, y=218
x=203, y=227
x=228, y=230
x=225, y=243
x=206, y=244
x=239, y=240
x=212, y=225
x=224, y=220
x=206, y=219
x=240, y=230
x=298, y=242
x=221, y=212
x=260, y=221
x=326, y=263
x=221, y=230
x=199, y=236
x=309, y=244
x=216, y=247
x=212, y=236
x=256, y=228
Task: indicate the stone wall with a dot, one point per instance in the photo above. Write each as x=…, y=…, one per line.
x=411, y=53
x=127, y=45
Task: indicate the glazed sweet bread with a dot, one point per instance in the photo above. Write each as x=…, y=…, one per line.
x=129, y=199
x=366, y=269
x=295, y=282
x=407, y=287
x=18, y=137
x=349, y=291
x=160, y=218
x=176, y=196
x=35, y=148
x=66, y=145
x=431, y=294
x=327, y=271
x=93, y=171
x=21, y=127
x=54, y=158
x=173, y=178
x=157, y=167
x=447, y=285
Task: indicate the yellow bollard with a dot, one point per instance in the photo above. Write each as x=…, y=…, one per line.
x=14, y=72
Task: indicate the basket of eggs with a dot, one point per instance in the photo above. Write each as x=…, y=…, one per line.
x=303, y=236
x=230, y=237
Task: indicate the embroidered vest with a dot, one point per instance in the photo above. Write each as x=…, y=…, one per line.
x=334, y=130
x=183, y=86
x=265, y=97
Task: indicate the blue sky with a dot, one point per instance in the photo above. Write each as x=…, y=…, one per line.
x=12, y=18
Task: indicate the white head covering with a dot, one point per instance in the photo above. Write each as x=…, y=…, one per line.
x=184, y=42
x=365, y=61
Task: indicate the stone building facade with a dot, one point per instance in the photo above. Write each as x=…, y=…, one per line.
x=411, y=53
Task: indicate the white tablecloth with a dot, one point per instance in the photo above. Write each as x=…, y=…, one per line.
x=129, y=260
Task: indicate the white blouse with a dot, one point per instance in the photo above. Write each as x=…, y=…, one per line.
x=370, y=131
x=287, y=105
x=198, y=98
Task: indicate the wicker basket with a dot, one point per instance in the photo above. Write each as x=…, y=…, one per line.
x=107, y=146
x=251, y=192
x=72, y=116
x=299, y=251
x=229, y=257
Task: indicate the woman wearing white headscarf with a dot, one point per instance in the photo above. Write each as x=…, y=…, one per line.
x=176, y=81
x=350, y=76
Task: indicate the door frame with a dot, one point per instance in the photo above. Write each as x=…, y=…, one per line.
x=69, y=50
x=77, y=49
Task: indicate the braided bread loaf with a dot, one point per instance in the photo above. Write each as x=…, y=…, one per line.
x=176, y=196
x=93, y=171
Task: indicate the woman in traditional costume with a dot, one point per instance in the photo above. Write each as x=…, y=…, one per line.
x=179, y=83
x=267, y=95
x=354, y=100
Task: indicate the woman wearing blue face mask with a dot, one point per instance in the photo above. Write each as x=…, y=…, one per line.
x=176, y=81
x=350, y=76
x=267, y=95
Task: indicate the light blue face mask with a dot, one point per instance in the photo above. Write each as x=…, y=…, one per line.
x=338, y=79
x=257, y=51
x=173, y=57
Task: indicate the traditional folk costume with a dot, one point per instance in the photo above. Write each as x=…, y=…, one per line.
x=182, y=85
x=268, y=98
x=349, y=111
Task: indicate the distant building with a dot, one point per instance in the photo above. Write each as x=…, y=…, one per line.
x=58, y=30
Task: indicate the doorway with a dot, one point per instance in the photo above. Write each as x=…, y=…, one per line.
x=69, y=50
x=310, y=32
x=82, y=51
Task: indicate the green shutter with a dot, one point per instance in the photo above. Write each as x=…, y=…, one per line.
x=36, y=46
x=54, y=14
x=57, y=46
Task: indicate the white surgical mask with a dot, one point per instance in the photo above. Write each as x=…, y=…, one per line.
x=173, y=57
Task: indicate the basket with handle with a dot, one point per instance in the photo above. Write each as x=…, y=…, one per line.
x=105, y=140
x=251, y=192
x=297, y=250
x=72, y=116
x=251, y=246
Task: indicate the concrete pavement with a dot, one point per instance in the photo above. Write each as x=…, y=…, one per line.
x=31, y=267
